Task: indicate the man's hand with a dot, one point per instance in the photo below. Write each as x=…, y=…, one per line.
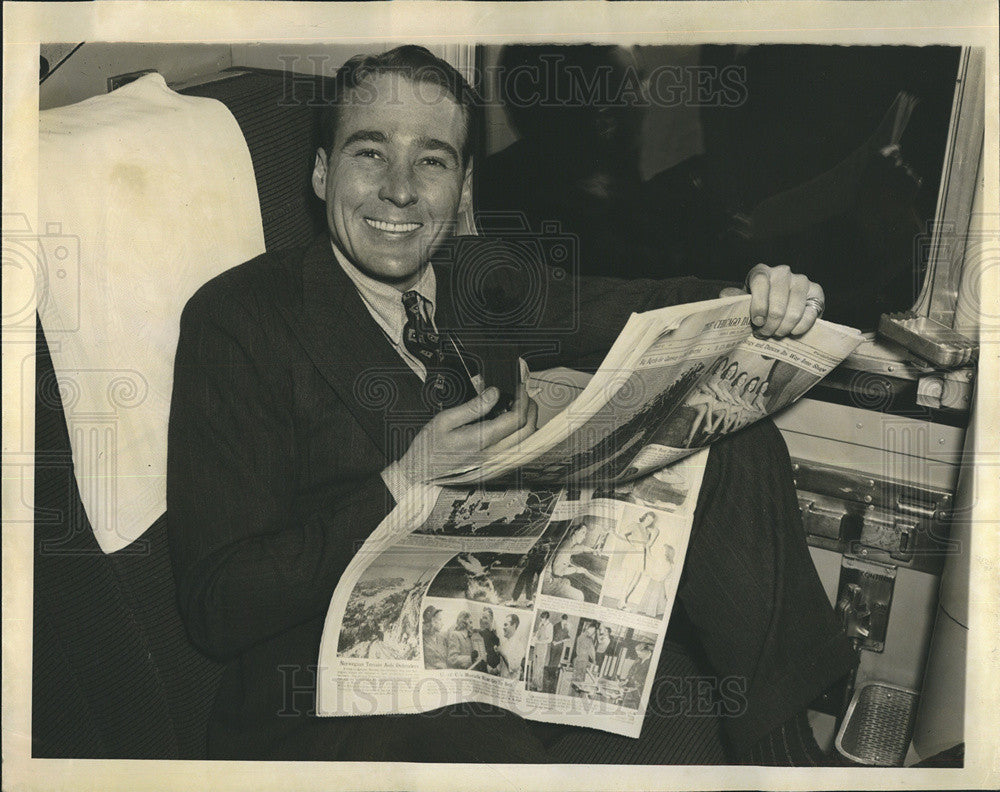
x=783, y=303
x=456, y=436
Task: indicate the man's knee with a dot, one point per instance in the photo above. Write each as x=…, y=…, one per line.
x=755, y=446
x=748, y=476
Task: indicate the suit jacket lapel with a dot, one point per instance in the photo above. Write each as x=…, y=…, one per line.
x=351, y=352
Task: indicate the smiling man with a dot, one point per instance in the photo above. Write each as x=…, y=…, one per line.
x=312, y=387
x=394, y=181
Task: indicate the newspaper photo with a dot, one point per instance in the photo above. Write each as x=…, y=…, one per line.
x=542, y=579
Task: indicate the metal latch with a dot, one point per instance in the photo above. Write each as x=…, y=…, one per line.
x=877, y=518
x=883, y=531
x=864, y=597
x=822, y=516
x=946, y=390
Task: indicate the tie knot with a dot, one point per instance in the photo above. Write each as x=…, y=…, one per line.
x=412, y=301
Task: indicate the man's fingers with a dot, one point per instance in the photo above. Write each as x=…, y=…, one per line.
x=472, y=410
x=782, y=303
x=521, y=402
x=798, y=289
x=488, y=433
x=513, y=419
x=460, y=432
x=809, y=316
x=759, y=285
x=813, y=310
x=526, y=430
x=777, y=299
x=518, y=412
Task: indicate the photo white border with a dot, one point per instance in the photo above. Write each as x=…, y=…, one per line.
x=961, y=22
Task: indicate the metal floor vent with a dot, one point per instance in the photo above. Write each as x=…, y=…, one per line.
x=878, y=725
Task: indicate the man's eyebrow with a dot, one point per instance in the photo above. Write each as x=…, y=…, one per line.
x=438, y=145
x=365, y=135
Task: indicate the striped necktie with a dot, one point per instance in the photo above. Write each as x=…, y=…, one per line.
x=448, y=383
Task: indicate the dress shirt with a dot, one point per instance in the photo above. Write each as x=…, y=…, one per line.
x=385, y=304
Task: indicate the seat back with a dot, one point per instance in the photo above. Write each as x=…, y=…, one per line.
x=114, y=674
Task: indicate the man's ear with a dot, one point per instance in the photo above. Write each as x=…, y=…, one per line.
x=465, y=201
x=319, y=175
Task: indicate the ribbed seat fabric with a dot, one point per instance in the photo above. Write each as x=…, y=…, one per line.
x=114, y=674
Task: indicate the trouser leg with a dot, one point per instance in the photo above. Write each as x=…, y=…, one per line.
x=750, y=589
x=475, y=733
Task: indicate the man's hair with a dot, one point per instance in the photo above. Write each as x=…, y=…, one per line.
x=413, y=63
x=543, y=615
x=514, y=620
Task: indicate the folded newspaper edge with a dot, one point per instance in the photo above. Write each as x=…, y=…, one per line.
x=549, y=591
x=676, y=380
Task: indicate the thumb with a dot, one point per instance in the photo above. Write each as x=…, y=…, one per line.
x=470, y=411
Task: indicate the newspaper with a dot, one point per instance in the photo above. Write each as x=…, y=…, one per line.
x=542, y=579
x=676, y=380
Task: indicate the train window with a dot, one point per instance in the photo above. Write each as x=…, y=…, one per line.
x=668, y=160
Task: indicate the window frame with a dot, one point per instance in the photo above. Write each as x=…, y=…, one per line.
x=960, y=178
x=949, y=234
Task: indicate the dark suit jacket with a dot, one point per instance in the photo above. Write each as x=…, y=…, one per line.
x=288, y=402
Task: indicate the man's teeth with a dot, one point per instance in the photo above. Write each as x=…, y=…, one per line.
x=398, y=228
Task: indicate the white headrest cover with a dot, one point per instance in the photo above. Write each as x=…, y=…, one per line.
x=144, y=195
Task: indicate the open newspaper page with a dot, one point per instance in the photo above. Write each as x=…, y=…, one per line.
x=552, y=603
x=678, y=379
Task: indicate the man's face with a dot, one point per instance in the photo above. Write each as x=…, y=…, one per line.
x=393, y=180
x=486, y=620
x=508, y=628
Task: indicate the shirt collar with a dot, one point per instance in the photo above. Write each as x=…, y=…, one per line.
x=384, y=302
